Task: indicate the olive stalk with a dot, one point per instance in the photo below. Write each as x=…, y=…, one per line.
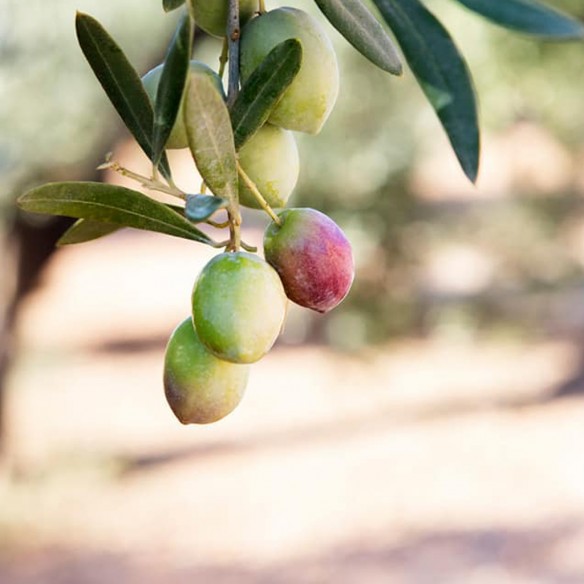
x=256, y=193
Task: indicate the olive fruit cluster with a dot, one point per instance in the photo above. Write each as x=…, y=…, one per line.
x=270, y=157
x=239, y=300
x=239, y=304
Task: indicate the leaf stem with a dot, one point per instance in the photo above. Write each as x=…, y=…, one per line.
x=256, y=193
x=218, y=224
x=220, y=244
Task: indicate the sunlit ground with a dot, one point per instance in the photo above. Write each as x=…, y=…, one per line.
x=414, y=462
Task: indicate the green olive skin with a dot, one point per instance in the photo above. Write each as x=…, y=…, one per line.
x=308, y=101
x=178, y=136
x=211, y=15
x=270, y=159
x=239, y=307
x=200, y=388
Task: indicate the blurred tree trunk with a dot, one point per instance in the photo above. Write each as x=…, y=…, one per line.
x=26, y=245
x=26, y=248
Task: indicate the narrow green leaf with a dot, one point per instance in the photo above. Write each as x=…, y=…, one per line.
x=442, y=74
x=171, y=86
x=529, y=17
x=210, y=136
x=109, y=204
x=356, y=23
x=263, y=89
x=169, y=5
x=86, y=230
x=120, y=82
x=200, y=207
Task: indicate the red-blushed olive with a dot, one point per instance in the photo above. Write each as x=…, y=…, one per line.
x=308, y=101
x=239, y=306
x=211, y=15
x=178, y=136
x=270, y=159
x=200, y=388
x=313, y=257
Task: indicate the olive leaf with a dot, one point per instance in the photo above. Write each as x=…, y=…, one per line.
x=120, y=82
x=210, y=136
x=171, y=87
x=356, y=23
x=442, y=74
x=528, y=17
x=111, y=204
x=86, y=230
x=199, y=208
x=169, y=5
x=263, y=89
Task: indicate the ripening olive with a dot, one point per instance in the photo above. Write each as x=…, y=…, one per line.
x=199, y=387
x=312, y=256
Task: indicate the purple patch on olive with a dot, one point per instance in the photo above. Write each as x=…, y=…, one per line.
x=313, y=257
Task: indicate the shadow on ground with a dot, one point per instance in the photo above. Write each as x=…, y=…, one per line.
x=486, y=556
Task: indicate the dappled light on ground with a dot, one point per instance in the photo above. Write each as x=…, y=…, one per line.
x=419, y=461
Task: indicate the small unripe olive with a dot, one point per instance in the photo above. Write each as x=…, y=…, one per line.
x=211, y=15
x=309, y=99
x=312, y=256
x=178, y=135
x=270, y=159
x=199, y=388
x=239, y=306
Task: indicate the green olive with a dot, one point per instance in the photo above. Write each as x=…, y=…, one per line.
x=200, y=388
x=239, y=306
x=270, y=159
x=178, y=136
x=308, y=101
x=211, y=15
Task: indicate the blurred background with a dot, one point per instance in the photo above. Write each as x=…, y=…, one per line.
x=428, y=430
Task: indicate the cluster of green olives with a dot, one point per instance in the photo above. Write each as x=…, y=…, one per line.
x=239, y=300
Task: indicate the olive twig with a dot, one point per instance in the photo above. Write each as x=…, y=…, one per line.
x=256, y=193
x=233, y=33
x=149, y=183
x=233, y=212
x=234, y=220
x=262, y=7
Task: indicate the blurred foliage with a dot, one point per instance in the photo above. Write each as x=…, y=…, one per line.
x=53, y=113
x=504, y=258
